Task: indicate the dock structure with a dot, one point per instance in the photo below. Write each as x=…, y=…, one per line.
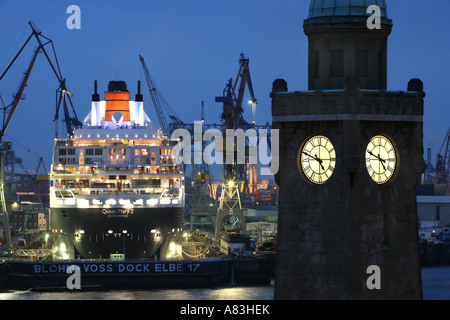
x=108, y=274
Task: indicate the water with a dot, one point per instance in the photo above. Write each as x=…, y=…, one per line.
x=435, y=282
x=220, y=293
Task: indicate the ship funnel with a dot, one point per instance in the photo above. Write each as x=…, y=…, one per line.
x=117, y=86
x=138, y=94
x=95, y=96
x=117, y=101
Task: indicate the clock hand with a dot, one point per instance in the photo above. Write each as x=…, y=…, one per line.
x=320, y=162
x=381, y=161
x=370, y=152
x=315, y=158
x=307, y=154
x=378, y=157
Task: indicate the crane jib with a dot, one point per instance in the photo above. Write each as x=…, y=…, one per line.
x=71, y=122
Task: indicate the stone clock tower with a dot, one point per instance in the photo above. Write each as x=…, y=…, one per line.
x=350, y=158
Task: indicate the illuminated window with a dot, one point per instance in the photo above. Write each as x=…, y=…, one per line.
x=115, y=152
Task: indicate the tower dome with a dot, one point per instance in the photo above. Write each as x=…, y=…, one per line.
x=342, y=47
x=320, y=8
x=338, y=11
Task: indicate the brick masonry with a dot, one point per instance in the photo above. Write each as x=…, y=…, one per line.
x=329, y=234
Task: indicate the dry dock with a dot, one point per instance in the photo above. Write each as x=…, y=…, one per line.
x=106, y=274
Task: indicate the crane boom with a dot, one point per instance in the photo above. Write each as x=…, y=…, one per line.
x=4, y=146
x=71, y=122
x=19, y=93
x=443, y=160
x=244, y=73
x=155, y=97
x=232, y=105
x=64, y=95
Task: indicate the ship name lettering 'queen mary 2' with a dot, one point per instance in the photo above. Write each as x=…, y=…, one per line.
x=115, y=189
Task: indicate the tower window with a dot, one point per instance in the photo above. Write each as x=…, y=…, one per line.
x=337, y=63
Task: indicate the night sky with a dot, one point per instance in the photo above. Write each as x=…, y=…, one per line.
x=191, y=49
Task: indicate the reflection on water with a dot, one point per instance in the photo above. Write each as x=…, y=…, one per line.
x=222, y=293
x=435, y=282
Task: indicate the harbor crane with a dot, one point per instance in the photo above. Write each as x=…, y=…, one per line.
x=64, y=94
x=202, y=179
x=232, y=104
x=443, y=160
x=158, y=101
x=233, y=174
x=9, y=110
x=232, y=118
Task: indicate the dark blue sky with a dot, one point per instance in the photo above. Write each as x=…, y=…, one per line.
x=192, y=48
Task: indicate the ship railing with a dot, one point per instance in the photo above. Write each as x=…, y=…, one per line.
x=134, y=191
x=63, y=142
x=38, y=253
x=130, y=169
x=112, y=191
x=163, y=196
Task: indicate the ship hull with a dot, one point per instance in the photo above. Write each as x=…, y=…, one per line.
x=96, y=233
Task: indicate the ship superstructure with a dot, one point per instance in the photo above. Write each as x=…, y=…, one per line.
x=116, y=190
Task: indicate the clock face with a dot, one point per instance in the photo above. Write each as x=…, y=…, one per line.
x=381, y=159
x=316, y=159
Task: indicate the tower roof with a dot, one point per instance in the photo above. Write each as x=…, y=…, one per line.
x=344, y=10
x=326, y=8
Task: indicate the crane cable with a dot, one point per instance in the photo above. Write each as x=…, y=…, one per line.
x=23, y=146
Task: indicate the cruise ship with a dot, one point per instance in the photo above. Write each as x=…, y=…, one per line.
x=116, y=191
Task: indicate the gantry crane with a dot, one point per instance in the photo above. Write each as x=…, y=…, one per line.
x=202, y=177
x=158, y=101
x=233, y=173
x=8, y=111
x=233, y=95
x=232, y=104
x=443, y=160
x=64, y=95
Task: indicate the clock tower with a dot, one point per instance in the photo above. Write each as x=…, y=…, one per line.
x=350, y=158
